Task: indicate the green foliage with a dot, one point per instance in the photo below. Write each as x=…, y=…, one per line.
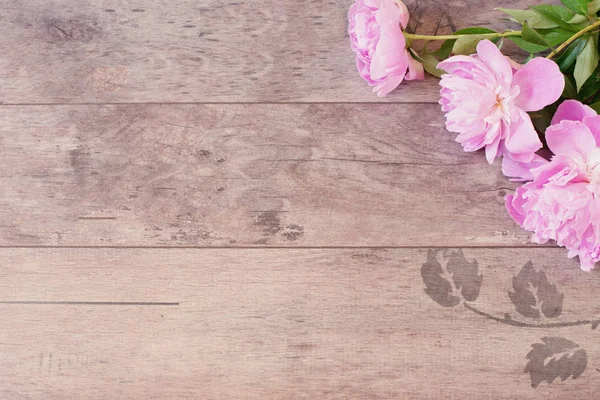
x=429, y=63
x=587, y=61
x=596, y=107
x=570, y=91
x=567, y=58
x=577, y=6
x=445, y=50
x=527, y=46
x=593, y=7
x=591, y=87
x=559, y=15
x=545, y=28
x=538, y=40
x=532, y=36
x=555, y=36
x=535, y=19
x=467, y=45
x=473, y=31
x=541, y=119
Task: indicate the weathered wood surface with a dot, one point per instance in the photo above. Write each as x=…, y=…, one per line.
x=239, y=175
x=298, y=321
x=275, y=324
x=91, y=51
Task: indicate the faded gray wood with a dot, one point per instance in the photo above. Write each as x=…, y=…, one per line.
x=229, y=322
x=239, y=175
x=90, y=51
x=275, y=324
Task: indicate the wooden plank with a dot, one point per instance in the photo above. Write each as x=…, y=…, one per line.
x=240, y=175
x=275, y=324
x=90, y=51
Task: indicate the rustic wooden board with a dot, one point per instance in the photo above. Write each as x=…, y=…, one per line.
x=239, y=175
x=98, y=51
x=281, y=323
x=224, y=321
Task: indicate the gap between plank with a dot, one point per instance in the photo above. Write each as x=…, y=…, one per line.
x=532, y=246
x=91, y=303
x=219, y=103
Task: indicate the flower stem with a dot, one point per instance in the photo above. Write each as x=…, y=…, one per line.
x=451, y=37
x=573, y=38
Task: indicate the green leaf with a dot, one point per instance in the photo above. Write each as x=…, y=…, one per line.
x=541, y=119
x=593, y=7
x=568, y=56
x=555, y=36
x=578, y=19
x=587, y=61
x=570, y=91
x=467, y=44
x=445, y=50
x=596, y=107
x=577, y=6
x=555, y=11
x=594, y=99
x=527, y=46
x=532, y=36
x=591, y=86
x=474, y=30
x=429, y=63
x=559, y=15
x=535, y=19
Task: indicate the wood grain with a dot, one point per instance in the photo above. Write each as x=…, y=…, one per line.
x=240, y=175
x=127, y=230
x=91, y=51
x=275, y=324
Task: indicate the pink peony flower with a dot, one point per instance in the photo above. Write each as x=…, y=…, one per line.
x=562, y=202
x=486, y=98
x=376, y=37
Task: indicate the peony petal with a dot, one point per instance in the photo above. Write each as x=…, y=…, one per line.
x=460, y=62
x=390, y=83
x=373, y=3
x=540, y=82
x=515, y=205
x=415, y=69
x=404, y=15
x=390, y=54
x=363, y=70
x=544, y=172
x=497, y=62
x=494, y=133
x=569, y=136
x=572, y=110
x=468, y=68
x=522, y=141
x=388, y=15
x=520, y=171
x=593, y=124
x=378, y=70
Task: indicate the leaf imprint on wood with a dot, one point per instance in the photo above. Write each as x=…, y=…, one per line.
x=534, y=295
x=555, y=358
x=449, y=277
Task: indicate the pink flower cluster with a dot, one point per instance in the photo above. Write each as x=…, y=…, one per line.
x=562, y=201
x=486, y=97
x=376, y=37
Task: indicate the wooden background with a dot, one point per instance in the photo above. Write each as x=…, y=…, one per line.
x=201, y=199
